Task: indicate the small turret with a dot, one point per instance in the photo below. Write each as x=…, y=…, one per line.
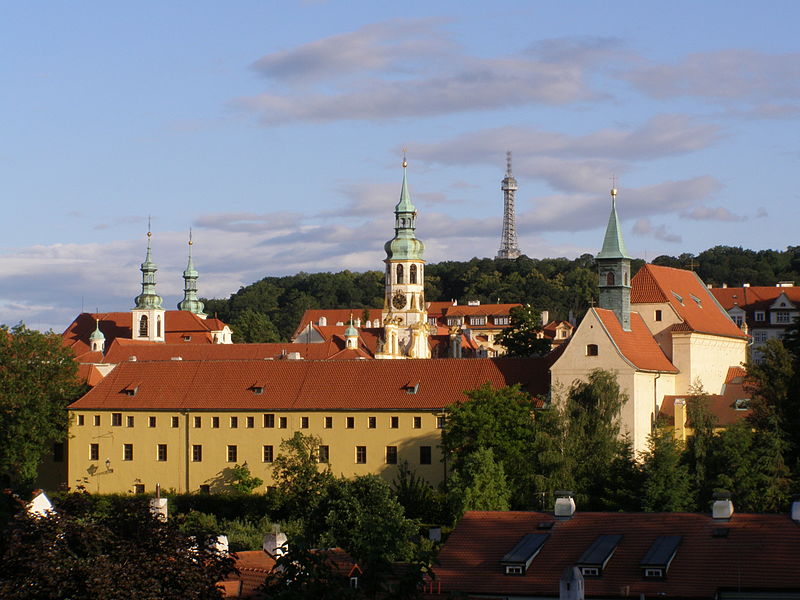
x=351, y=336
x=97, y=340
x=191, y=303
x=148, y=314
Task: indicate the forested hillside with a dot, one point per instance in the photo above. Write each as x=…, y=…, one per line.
x=270, y=309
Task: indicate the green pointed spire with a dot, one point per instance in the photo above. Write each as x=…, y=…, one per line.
x=613, y=244
x=190, y=302
x=351, y=331
x=97, y=334
x=404, y=245
x=148, y=298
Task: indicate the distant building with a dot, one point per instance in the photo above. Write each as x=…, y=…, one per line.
x=764, y=312
x=621, y=555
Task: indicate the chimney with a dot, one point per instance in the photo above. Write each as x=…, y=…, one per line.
x=545, y=317
x=570, y=586
x=275, y=544
x=795, y=510
x=724, y=285
x=679, y=430
x=744, y=285
x=722, y=509
x=294, y=356
x=565, y=504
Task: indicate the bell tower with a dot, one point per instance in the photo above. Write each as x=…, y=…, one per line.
x=148, y=315
x=614, y=270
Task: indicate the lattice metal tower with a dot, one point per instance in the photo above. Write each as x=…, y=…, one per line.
x=508, y=239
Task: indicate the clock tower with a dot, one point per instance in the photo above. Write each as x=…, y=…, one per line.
x=405, y=315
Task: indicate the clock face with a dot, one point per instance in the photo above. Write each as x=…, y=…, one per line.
x=399, y=300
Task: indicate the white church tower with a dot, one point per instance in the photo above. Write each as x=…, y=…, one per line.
x=148, y=314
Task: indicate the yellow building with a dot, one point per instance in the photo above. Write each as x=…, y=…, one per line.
x=184, y=424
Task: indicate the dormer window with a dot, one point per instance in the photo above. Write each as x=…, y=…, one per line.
x=760, y=315
x=187, y=338
x=257, y=389
x=517, y=561
x=656, y=562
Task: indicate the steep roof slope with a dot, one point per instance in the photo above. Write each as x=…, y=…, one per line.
x=638, y=345
x=687, y=294
x=307, y=385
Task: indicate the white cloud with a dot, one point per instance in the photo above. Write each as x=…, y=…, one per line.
x=706, y=213
x=660, y=232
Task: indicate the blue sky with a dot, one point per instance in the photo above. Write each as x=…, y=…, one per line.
x=275, y=130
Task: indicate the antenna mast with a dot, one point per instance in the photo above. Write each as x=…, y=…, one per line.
x=508, y=239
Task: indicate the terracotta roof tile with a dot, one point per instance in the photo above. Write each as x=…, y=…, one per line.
x=308, y=385
x=754, y=297
x=760, y=552
x=638, y=345
x=687, y=294
x=465, y=310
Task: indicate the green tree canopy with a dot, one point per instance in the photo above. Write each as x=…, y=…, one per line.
x=480, y=484
x=524, y=335
x=667, y=483
x=38, y=379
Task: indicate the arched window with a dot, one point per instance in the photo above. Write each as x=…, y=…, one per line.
x=158, y=326
x=591, y=349
x=412, y=276
x=626, y=278
x=610, y=278
x=143, y=326
x=399, y=273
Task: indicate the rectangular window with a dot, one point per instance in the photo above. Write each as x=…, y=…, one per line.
x=251, y=422
x=738, y=320
x=501, y=321
x=782, y=316
x=127, y=451
x=151, y=421
x=268, y=455
x=417, y=422
x=97, y=420
x=432, y=321
x=328, y=422
x=215, y=422
x=391, y=455
x=361, y=455
x=394, y=422
x=80, y=419
x=116, y=419
x=304, y=422
x=58, y=452
x=439, y=422
x=129, y=421
x=424, y=455
x=477, y=320
x=282, y=422
x=759, y=337
x=759, y=315
x=175, y=422
x=350, y=422
x=94, y=451
x=233, y=454
x=324, y=454
x=269, y=420
x=198, y=422
x=138, y=488
x=234, y=422
x=657, y=315
x=197, y=453
x=372, y=422
x=161, y=453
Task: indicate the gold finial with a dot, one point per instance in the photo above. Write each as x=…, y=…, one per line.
x=190, y=236
x=405, y=162
x=613, y=186
x=149, y=233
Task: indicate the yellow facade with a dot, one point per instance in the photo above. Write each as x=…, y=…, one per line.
x=132, y=451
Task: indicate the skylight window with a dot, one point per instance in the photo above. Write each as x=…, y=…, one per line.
x=659, y=557
x=594, y=559
x=678, y=297
x=697, y=300
x=519, y=559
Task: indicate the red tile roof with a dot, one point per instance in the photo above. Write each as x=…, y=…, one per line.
x=754, y=297
x=687, y=294
x=722, y=406
x=638, y=345
x=760, y=552
x=464, y=310
x=335, y=315
x=307, y=385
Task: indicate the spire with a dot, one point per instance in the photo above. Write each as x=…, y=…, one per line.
x=404, y=245
x=148, y=298
x=97, y=340
x=190, y=302
x=508, y=238
x=613, y=244
x=351, y=331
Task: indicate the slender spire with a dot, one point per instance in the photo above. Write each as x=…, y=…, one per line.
x=508, y=238
x=405, y=204
x=97, y=334
x=190, y=303
x=148, y=298
x=613, y=244
x=404, y=245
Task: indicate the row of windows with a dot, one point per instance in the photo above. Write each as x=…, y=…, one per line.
x=268, y=422
x=476, y=320
x=268, y=453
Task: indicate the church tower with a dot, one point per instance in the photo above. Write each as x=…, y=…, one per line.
x=614, y=269
x=508, y=239
x=405, y=315
x=148, y=314
x=191, y=302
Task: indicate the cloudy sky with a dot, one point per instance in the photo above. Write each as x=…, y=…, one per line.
x=275, y=130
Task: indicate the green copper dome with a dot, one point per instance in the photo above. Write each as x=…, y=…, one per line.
x=613, y=244
x=350, y=331
x=404, y=245
x=148, y=299
x=190, y=303
x=97, y=334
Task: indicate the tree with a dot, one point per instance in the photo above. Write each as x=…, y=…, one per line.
x=667, y=484
x=524, y=334
x=252, y=327
x=125, y=552
x=417, y=496
x=38, y=379
x=297, y=475
x=243, y=482
x=501, y=420
x=479, y=485
x=699, y=447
